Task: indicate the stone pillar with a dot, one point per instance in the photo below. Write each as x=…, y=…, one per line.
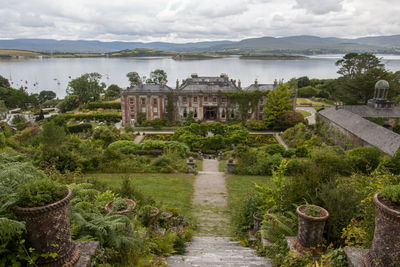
x=230, y=166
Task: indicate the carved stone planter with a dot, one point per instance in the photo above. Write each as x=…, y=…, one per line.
x=48, y=231
x=311, y=228
x=385, y=249
x=131, y=206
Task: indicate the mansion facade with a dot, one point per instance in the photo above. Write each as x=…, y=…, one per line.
x=196, y=96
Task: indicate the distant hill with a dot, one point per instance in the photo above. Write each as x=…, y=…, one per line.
x=303, y=44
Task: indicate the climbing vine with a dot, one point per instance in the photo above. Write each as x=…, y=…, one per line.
x=247, y=101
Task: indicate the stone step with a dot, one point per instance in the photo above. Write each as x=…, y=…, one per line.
x=217, y=252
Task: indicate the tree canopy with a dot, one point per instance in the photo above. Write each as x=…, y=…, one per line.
x=278, y=103
x=359, y=73
x=46, y=95
x=86, y=87
x=157, y=77
x=134, y=78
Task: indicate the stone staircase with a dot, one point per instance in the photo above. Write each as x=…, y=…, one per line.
x=210, y=251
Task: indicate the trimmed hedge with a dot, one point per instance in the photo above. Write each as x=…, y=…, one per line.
x=79, y=128
x=96, y=116
x=103, y=105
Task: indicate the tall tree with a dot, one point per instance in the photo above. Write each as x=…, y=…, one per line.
x=113, y=91
x=359, y=73
x=157, y=77
x=46, y=95
x=134, y=78
x=278, y=102
x=4, y=82
x=86, y=87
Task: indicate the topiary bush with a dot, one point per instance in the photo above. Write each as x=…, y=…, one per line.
x=40, y=192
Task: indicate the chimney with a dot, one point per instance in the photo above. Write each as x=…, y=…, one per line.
x=177, y=84
x=256, y=83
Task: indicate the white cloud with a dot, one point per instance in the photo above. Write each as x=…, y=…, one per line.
x=319, y=7
x=195, y=20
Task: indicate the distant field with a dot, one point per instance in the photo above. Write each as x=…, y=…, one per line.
x=23, y=53
x=312, y=103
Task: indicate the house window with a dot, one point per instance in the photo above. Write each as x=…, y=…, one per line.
x=184, y=99
x=143, y=101
x=223, y=114
x=195, y=99
x=132, y=108
x=132, y=101
x=155, y=110
x=195, y=113
x=215, y=100
x=132, y=115
x=185, y=112
x=205, y=99
x=154, y=101
x=223, y=100
x=232, y=114
x=143, y=109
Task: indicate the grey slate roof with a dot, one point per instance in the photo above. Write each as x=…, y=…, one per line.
x=370, y=112
x=150, y=88
x=374, y=134
x=261, y=87
x=208, y=84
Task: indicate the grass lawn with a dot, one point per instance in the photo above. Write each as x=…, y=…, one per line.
x=222, y=165
x=241, y=186
x=310, y=102
x=172, y=189
x=199, y=165
x=305, y=113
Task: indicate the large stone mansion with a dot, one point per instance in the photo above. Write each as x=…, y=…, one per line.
x=200, y=96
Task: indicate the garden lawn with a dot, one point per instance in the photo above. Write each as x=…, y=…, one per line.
x=303, y=112
x=171, y=189
x=240, y=186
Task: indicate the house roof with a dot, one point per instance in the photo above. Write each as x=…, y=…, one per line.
x=374, y=134
x=261, y=87
x=149, y=88
x=370, y=112
x=208, y=84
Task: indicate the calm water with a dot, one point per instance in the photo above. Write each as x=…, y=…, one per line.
x=54, y=73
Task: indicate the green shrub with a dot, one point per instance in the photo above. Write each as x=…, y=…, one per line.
x=12, y=176
x=391, y=192
x=308, y=91
x=40, y=192
x=103, y=105
x=289, y=119
x=79, y=128
x=119, y=204
x=273, y=149
x=364, y=159
x=256, y=125
x=393, y=163
x=123, y=146
x=112, y=117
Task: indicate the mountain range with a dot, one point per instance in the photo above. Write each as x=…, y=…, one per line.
x=302, y=44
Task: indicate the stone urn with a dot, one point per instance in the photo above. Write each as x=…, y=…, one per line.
x=191, y=164
x=385, y=249
x=230, y=165
x=257, y=219
x=311, y=228
x=131, y=206
x=48, y=231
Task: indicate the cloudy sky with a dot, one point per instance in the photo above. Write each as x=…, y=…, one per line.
x=195, y=20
